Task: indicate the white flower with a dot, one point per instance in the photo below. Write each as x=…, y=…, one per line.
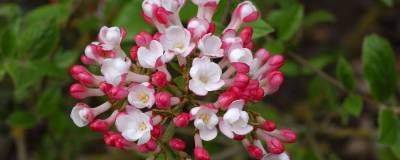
x=172, y=5
x=242, y=55
x=210, y=45
x=82, y=114
x=114, y=68
x=149, y=57
x=141, y=96
x=148, y=6
x=134, y=126
x=177, y=40
x=230, y=40
x=198, y=27
x=205, y=120
x=282, y=156
x=206, y=76
x=110, y=37
x=235, y=120
x=246, y=9
x=203, y=2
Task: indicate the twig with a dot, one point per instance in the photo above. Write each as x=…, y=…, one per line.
x=226, y=12
x=366, y=97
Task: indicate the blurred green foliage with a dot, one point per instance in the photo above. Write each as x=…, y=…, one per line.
x=323, y=91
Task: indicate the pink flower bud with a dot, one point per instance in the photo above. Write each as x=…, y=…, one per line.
x=257, y=94
x=253, y=84
x=268, y=126
x=118, y=93
x=159, y=79
x=143, y=148
x=177, y=144
x=239, y=137
x=157, y=131
x=161, y=15
x=143, y=39
x=246, y=34
x=249, y=45
x=275, y=62
x=78, y=91
x=226, y=98
x=241, y=80
x=116, y=140
x=133, y=52
x=151, y=145
x=105, y=87
x=81, y=74
x=201, y=154
x=274, y=81
x=288, y=136
x=246, y=12
x=86, y=60
x=275, y=146
x=241, y=67
x=254, y=151
x=99, y=126
x=262, y=54
x=212, y=28
x=121, y=143
x=163, y=100
x=182, y=120
x=157, y=36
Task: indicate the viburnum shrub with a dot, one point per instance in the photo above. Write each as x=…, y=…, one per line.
x=220, y=77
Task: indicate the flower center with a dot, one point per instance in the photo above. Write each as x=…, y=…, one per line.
x=179, y=45
x=205, y=117
x=203, y=78
x=143, y=97
x=142, y=126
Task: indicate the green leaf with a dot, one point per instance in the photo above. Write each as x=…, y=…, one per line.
x=189, y=11
x=2, y=72
x=275, y=46
x=24, y=75
x=379, y=66
x=345, y=74
x=387, y=127
x=44, y=14
x=66, y=59
x=287, y=21
x=388, y=3
x=49, y=101
x=396, y=146
x=39, y=39
x=130, y=17
x=316, y=17
x=290, y=68
x=9, y=11
x=353, y=105
x=260, y=28
x=8, y=40
x=22, y=119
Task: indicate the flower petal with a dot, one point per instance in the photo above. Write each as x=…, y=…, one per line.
x=214, y=86
x=132, y=134
x=144, y=139
x=208, y=134
x=226, y=129
x=242, y=130
x=197, y=87
x=232, y=115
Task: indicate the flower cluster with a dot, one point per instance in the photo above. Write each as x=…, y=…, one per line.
x=219, y=77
